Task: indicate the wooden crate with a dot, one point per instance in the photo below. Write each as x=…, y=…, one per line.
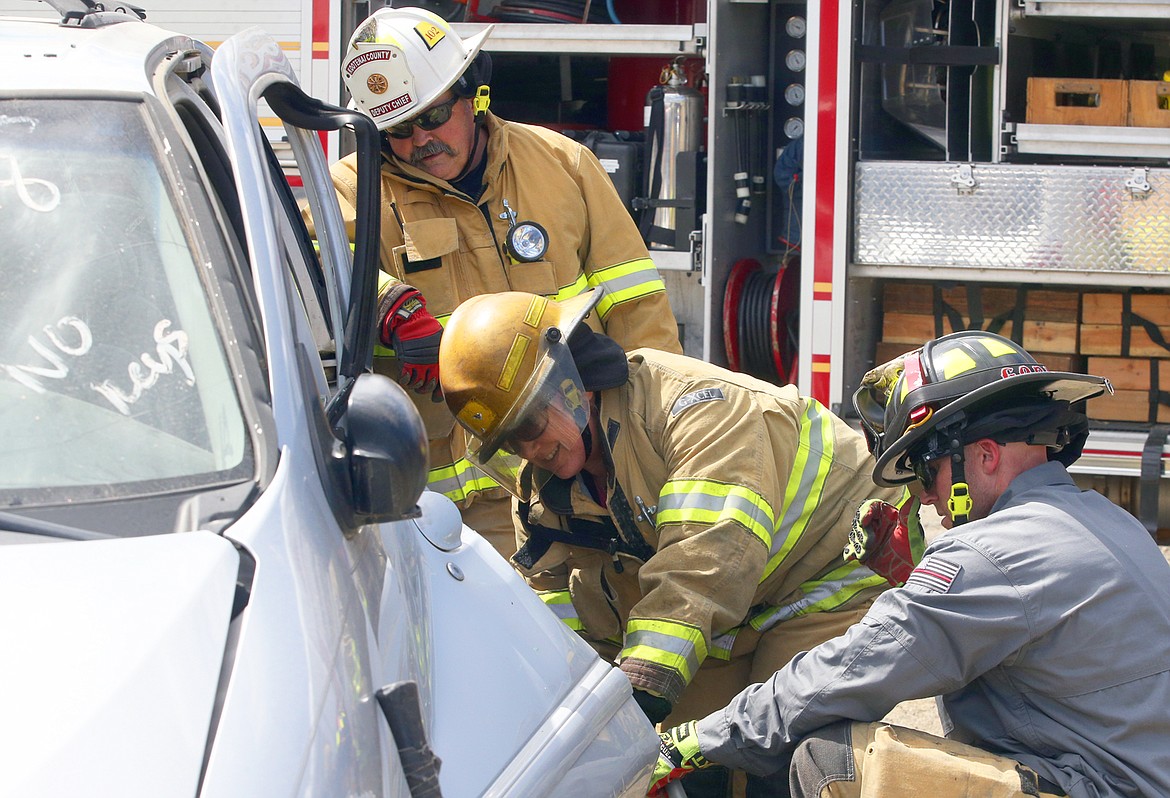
x=915, y=312
x=1132, y=380
x=918, y=298
x=1103, y=329
x=1073, y=101
x=1050, y=336
x=907, y=330
x=1149, y=103
x=1060, y=361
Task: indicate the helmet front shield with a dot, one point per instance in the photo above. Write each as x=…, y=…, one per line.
x=552, y=415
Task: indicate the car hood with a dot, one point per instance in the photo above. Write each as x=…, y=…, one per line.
x=110, y=663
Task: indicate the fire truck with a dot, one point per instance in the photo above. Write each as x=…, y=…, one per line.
x=309, y=33
x=994, y=164
x=826, y=184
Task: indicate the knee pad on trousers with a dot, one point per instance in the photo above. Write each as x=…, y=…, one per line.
x=824, y=756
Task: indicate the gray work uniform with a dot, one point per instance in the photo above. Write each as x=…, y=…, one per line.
x=1045, y=627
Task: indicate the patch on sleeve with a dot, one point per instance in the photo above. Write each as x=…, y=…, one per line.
x=934, y=575
x=695, y=398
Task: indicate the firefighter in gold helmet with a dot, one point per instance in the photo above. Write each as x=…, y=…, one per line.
x=687, y=520
x=473, y=204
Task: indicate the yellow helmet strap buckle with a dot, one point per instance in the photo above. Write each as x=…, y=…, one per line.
x=482, y=100
x=959, y=504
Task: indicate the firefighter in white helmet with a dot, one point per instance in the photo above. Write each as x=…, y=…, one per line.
x=472, y=204
x=1040, y=616
x=687, y=520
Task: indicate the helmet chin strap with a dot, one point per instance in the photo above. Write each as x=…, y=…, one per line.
x=471, y=159
x=959, y=502
x=586, y=431
x=480, y=102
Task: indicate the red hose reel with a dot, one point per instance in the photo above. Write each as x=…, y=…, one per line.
x=761, y=311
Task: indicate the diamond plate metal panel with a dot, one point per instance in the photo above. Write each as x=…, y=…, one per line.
x=1066, y=218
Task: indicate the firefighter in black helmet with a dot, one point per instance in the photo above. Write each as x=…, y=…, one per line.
x=1038, y=616
x=925, y=406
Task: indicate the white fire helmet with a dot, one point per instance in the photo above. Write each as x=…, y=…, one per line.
x=400, y=60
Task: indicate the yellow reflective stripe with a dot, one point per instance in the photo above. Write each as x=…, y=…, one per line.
x=561, y=603
x=676, y=646
x=578, y=286
x=459, y=480
x=814, y=458
x=824, y=595
x=626, y=281
x=700, y=501
x=381, y=351
x=914, y=525
x=721, y=645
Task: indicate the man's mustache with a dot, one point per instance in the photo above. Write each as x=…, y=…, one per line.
x=432, y=147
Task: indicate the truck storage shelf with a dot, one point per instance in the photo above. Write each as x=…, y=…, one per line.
x=1103, y=9
x=1116, y=453
x=1108, y=452
x=1093, y=140
x=670, y=260
x=518, y=37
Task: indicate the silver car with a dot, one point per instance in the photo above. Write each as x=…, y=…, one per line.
x=220, y=574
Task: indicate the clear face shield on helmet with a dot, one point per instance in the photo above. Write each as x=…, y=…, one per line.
x=872, y=397
x=544, y=429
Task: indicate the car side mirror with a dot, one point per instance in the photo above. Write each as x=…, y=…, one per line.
x=387, y=445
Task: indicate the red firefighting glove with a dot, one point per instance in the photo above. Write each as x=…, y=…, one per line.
x=414, y=334
x=677, y=756
x=881, y=538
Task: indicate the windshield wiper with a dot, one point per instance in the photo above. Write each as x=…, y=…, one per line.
x=13, y=522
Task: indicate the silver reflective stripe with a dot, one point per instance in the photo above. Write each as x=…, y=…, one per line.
x=721, y=645
x=560, y=602
x=459, y=480
x=820, y=596
x=805, y=483
x=682, y=650
x=695, y=501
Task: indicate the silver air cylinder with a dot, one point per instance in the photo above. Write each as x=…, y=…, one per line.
x=682, y=132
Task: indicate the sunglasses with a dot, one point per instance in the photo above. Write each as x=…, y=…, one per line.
x=427, y=120
x=528, y=430
x=925, y=471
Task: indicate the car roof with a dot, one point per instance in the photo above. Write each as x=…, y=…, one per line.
x=40, y=55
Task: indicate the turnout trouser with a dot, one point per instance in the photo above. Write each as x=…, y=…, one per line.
x=878, y=760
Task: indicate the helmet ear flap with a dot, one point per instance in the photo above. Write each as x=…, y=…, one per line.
x=476, y=75
x=481, y=68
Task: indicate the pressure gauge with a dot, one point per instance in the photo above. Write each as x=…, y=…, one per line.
x=795, y=60
x=796, y=27
x=794, y=127
x=794, y=94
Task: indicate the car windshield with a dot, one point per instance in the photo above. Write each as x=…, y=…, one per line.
x=113, y=377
